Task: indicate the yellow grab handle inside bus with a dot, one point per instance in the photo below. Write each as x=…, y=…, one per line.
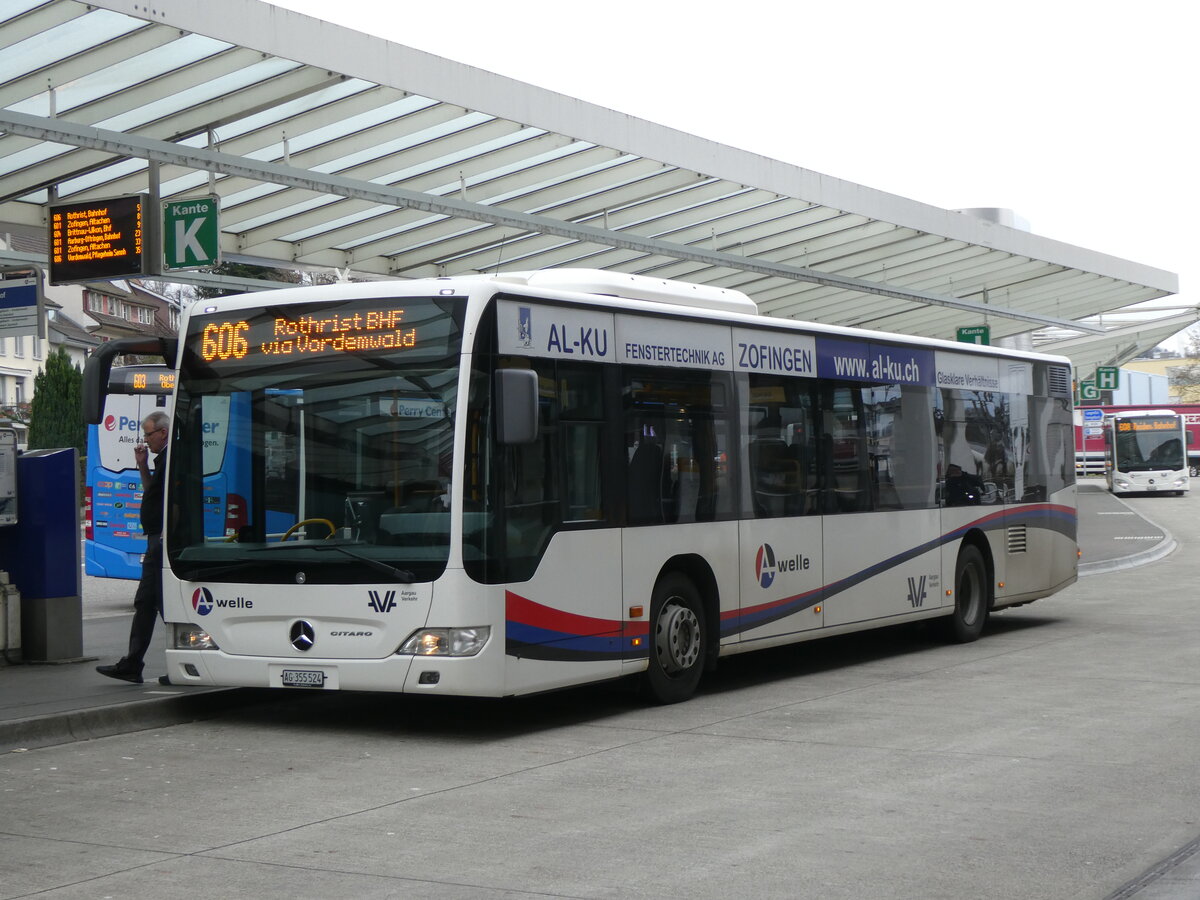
x=332, y=528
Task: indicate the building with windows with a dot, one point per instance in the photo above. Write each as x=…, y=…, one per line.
x=79, y=317
x=1178, y=371
x=123, y=309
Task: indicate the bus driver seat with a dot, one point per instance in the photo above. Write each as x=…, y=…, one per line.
x=645, y=482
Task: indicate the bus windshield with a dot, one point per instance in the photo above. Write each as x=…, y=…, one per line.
x=1149, y=443
x=330, y=426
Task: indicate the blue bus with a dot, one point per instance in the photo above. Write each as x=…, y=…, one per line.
x=113, y=540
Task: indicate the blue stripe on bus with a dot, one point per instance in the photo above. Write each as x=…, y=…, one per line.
x=526, y=639
x=1049, y=517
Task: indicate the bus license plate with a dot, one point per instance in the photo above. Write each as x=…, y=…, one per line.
x=309, y=678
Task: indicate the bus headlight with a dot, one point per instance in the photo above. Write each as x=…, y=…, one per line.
x=185, y=636
x=446, y=641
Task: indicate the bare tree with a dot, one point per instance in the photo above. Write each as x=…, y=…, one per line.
x=1185, y=377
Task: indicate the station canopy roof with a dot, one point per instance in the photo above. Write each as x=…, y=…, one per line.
x=332, y=149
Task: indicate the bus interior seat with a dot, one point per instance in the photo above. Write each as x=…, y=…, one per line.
x=647, y=478
x=421, y=496
x=362, y=513
x=779, y=478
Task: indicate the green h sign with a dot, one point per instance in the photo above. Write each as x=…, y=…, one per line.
x=975, y=334
x=191, y=235
x=1108, y=378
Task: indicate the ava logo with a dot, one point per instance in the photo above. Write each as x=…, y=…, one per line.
x=764, y=566
x=383, y=604
x=916, y=591
x=110, y=423
x=524, y=326
x=202, y=601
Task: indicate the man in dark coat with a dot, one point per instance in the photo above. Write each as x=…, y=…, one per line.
x=147, y=602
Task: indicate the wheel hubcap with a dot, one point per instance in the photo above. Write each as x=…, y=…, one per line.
x=677, y=640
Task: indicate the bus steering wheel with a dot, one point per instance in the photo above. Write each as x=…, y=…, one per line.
x=332, y=528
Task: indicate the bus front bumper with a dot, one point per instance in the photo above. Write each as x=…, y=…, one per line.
x=450, y=676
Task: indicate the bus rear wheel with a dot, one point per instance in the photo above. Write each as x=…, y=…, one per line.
x=678, y=631
x=971, y=597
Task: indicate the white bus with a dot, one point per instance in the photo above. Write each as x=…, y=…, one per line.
x=499, y=485
x=1145, y=450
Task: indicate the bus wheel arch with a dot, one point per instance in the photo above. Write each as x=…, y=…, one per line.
x=683, y=630
x=973, y=596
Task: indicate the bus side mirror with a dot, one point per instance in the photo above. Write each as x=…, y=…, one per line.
x=516, y=406
x=99, y=364
x=1190, y=438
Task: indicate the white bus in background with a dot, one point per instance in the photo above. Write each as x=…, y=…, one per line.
x=1146, y=451
x=499, y=485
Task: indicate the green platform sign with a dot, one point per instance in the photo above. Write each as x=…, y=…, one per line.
x=975, y=334
x=191, y=235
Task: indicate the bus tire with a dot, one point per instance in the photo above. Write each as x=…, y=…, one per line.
x=678, y=638
x=971, y=597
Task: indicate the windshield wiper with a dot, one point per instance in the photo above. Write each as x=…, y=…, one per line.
x=198, y=573
x=402, y=575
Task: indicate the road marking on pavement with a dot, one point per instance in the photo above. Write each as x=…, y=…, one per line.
x=1139, y=537
x=1120, y=513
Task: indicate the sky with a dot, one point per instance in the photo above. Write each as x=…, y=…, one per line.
x=1081, y=117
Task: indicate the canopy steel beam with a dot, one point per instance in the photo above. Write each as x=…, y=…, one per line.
x=127, y=145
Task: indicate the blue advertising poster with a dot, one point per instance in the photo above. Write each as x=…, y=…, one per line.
x=868, y=361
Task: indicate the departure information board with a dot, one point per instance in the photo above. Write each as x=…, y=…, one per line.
x=96, y=240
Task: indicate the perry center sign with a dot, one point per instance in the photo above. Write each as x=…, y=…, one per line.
x=191, y=233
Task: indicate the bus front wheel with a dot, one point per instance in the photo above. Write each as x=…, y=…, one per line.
x=678, y=635
x=971, y=597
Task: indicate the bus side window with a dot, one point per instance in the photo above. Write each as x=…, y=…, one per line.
x=845, y=462
x=677, y=432
x=530, y=484
x=581, y=418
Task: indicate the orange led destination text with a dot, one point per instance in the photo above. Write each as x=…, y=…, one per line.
x=1148, y=426
x=377, y=330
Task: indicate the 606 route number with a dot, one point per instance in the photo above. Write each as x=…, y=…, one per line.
x=224, y=340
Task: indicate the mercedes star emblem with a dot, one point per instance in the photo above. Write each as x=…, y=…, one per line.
x=302, y=635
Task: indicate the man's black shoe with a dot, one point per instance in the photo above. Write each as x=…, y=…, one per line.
x=164, y=679
x=120, y=674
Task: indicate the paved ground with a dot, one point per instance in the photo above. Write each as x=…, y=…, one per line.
x=1111, y=695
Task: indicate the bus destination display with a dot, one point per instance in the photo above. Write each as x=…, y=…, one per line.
x=97, y=240
x=308, y=336
x=141, y=380
x=1147, y=425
